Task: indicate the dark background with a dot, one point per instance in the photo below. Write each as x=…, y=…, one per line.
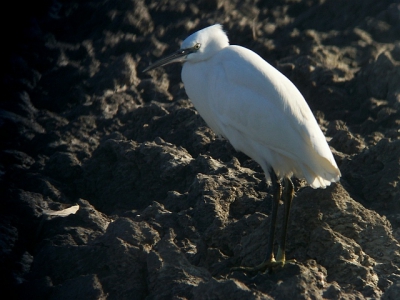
x=166, y=208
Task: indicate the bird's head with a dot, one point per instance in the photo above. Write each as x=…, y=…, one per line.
x=199, y=46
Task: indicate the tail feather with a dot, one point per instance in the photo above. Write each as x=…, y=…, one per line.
x=321, y=173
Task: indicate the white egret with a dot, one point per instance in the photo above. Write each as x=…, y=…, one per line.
x=261, y=112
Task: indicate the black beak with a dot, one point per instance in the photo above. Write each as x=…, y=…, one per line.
x=178, y=56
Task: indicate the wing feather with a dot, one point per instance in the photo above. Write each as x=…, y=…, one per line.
x=260, y=105
x=261, y=113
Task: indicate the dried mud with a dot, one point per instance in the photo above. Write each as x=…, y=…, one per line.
x=166, y=208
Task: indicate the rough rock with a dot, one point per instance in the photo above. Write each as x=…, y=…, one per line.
x=166, y=207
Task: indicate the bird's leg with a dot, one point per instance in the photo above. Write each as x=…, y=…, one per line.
x=277, y=193
x=287, y=200
x=269, y=261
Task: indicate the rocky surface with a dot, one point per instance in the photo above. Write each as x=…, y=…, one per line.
x=166, y=208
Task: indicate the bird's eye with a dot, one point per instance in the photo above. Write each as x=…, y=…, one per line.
x=197, y=46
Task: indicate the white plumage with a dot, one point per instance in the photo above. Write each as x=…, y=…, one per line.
x=255, y=107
